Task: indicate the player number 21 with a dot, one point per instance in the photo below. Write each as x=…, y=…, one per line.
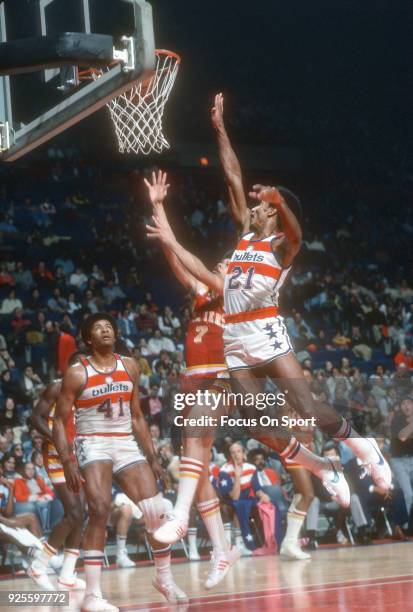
x=236, y=273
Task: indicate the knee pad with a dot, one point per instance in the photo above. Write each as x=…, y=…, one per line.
x=153, y=510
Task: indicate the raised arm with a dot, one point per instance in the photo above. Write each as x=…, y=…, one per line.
x=72, y=383
x=290, y=246
x=231, y=167
x=157, y=192
x=39, y=417
x=193, y=264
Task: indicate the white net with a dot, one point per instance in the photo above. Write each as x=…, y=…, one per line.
x=137, y=113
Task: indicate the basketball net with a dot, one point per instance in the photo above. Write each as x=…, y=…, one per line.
x=137, y=113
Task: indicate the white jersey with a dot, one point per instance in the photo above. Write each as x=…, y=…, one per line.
x=103, y=406
x=254, y=277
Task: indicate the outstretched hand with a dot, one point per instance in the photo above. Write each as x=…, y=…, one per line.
x=158, y=189
x=265, y=194
x=217, y=112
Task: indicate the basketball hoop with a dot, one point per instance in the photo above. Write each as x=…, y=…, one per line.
x=137, y=112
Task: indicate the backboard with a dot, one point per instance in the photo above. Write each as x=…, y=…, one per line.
x=44, y=41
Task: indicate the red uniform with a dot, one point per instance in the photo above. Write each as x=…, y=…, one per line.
x=204, y=349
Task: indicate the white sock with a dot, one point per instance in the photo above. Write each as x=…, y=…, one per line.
x=297, y=453
x=70, y=557
x=190, y=471
x=120, y=545
x=295, y=520
x=193, y=548
x=45, y=554
x=211, y=515
x=239, y=542
x=228, y=532
x=162, y=559
x=93, y=562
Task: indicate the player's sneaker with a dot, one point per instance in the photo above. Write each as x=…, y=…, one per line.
x=122, y=560
x=334, y=482
x=94, y=603
x=171, y=591
x=221, y=563
x=21, y=537
x=56, y=562
x=172, y=530
x=73, y=583
x=377, y=467
x=38, y=573
x=291, y=550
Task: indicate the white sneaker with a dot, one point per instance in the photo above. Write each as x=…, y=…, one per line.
x=56, y=562
x=122, y=560
x=38, y=573
x=377, y=467
x=172, y=530
x=171, y=591
x=94, y=603
x=341, y=538
x=194, y=555
x=243, y=550
x=21, y=537
x=334, y=482
x=221, y=563
x=71, y=584
x=290, y=550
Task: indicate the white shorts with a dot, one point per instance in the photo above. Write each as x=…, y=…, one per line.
x=121, y=451
x=254, y=343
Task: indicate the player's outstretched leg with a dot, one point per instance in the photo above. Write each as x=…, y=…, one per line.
x=288, y=375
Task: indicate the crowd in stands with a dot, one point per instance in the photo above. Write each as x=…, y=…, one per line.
x=76, y=245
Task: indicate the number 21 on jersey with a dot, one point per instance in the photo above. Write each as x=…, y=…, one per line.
x=236, y=273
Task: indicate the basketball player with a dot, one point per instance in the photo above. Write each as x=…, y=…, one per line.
x=206, y=369
x=255, y=338
x=69, y=530
x=334, y=481
x=104, y=389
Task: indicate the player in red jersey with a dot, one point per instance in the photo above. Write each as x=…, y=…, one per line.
x=176, y=254
x=104, y=389
x=68, y=530
x=206, y=370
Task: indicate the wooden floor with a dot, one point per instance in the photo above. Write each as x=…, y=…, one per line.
x=374, y=578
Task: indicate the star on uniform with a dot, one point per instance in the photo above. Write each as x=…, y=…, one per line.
x=276, y=345
x=224, y=483
x=249, y=538
x=273, y=334
x=268, y=327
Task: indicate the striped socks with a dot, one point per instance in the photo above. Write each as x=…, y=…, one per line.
x=211, y=515
x=93, y=562
x=70, y=557
x=297, y=453
x=162, y=559
x=190, y=471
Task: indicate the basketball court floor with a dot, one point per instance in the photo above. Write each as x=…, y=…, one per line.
x=377, y=577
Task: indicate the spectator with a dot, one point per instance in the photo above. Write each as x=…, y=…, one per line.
x=42, y=276
x=158, y=343
x=8, y=415
x=403, y=357
x=65, y=348
x=10, y=303
x=145, y=320
x=31, y=384
x=23, y=277
x=57, y=303
x=167, y=322
x=402, y=449
x=33, y=495
x=78, y=279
